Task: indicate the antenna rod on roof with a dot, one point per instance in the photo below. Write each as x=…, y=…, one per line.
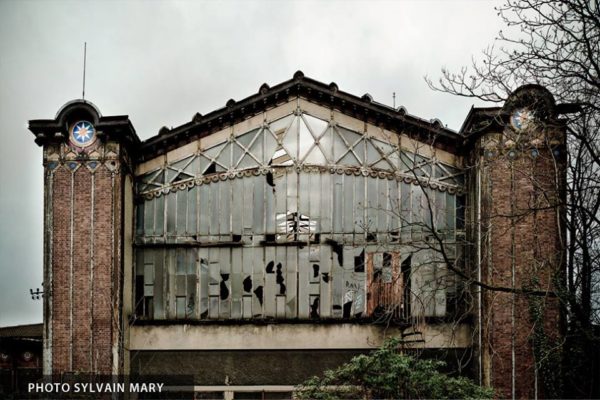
x=84, y=60
x=394, y=99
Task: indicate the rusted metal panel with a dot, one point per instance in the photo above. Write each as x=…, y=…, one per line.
x=292, y=267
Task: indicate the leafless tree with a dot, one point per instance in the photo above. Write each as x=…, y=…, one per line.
x=556, y=44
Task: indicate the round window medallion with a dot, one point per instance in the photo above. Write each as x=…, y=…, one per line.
x=521, y=119
x=3, y=356
x=27, y=356
x=82, y=134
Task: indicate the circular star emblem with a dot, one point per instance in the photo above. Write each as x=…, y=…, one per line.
x=521, y=119
x=82, y=134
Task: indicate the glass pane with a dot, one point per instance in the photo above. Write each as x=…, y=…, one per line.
x=181, y=163
x=349, y=159
x=372, y=153
x=270, y=146
x=315, y=157
x=306, y=139
x=247, y=162
x=317, y=125
x=359, y=151
x=290, y=141
x=326, y=142
x=214, y=151
x=350, y=136
x=246, y=138
x=237, y=153
x=281, y=124
x=225, y=157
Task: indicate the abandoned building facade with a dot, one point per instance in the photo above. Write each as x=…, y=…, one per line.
x=264, y=242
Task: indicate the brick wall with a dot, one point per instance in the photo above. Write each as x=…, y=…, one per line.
x=86, y=265
x=520, y=249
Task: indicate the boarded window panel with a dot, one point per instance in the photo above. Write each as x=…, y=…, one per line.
x=292, y=265
x=325, y=201
x=450, y=213
x=384, y=284
x=270, y=207
x=192, y=212
x=237, y=206
x=192, y=296
x=258, y=204
x=159, y=284
x=292, y=191
x=428, y=207
x=304, y=194
x=325, y=281
x=204, y=265
x=418, y=211
x=180, y=285
x=171, y=199
x=236, y=283
x=213, y=307
x=139, y=219
x=225, y=207
x=394, y=204
x=159, y=225
x=372, y=204
x=247, y=203
x=348, y=223
x=171, y=287
x=247, y=307
x=214, y=208
x=261, y=255
x=204, y=209
x=149, y=217
x=181, y=262
x=148, y=280
x=440, y=211
x=405, y=211
x=338, y=202
x=383, y=206
x=314, y=198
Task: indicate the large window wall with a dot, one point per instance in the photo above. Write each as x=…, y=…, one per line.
x=299, y=218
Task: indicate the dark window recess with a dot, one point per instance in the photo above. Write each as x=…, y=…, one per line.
x=212, y=168
x=269, y=238
x=371, y=237
x=148, y=311
x=247, y=284
x=237, y=238
x=338, y=249
x=139, y=295
x=460, y=212
x=405, y=268
x=314, y=307
x=359, y=262
x=280, y=280
x=223, y=289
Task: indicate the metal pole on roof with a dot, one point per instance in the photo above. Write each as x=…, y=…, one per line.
x=84, y=61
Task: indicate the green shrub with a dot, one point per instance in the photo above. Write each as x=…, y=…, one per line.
x=389, y=374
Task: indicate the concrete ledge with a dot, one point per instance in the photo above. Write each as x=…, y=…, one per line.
x=290, y=337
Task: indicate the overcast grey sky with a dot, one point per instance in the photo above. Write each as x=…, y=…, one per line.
x=160, y=62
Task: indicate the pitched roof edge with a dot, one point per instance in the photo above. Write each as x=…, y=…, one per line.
x=299, y=86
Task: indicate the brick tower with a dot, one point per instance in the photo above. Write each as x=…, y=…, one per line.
x=519, y=171
x=87, y=209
